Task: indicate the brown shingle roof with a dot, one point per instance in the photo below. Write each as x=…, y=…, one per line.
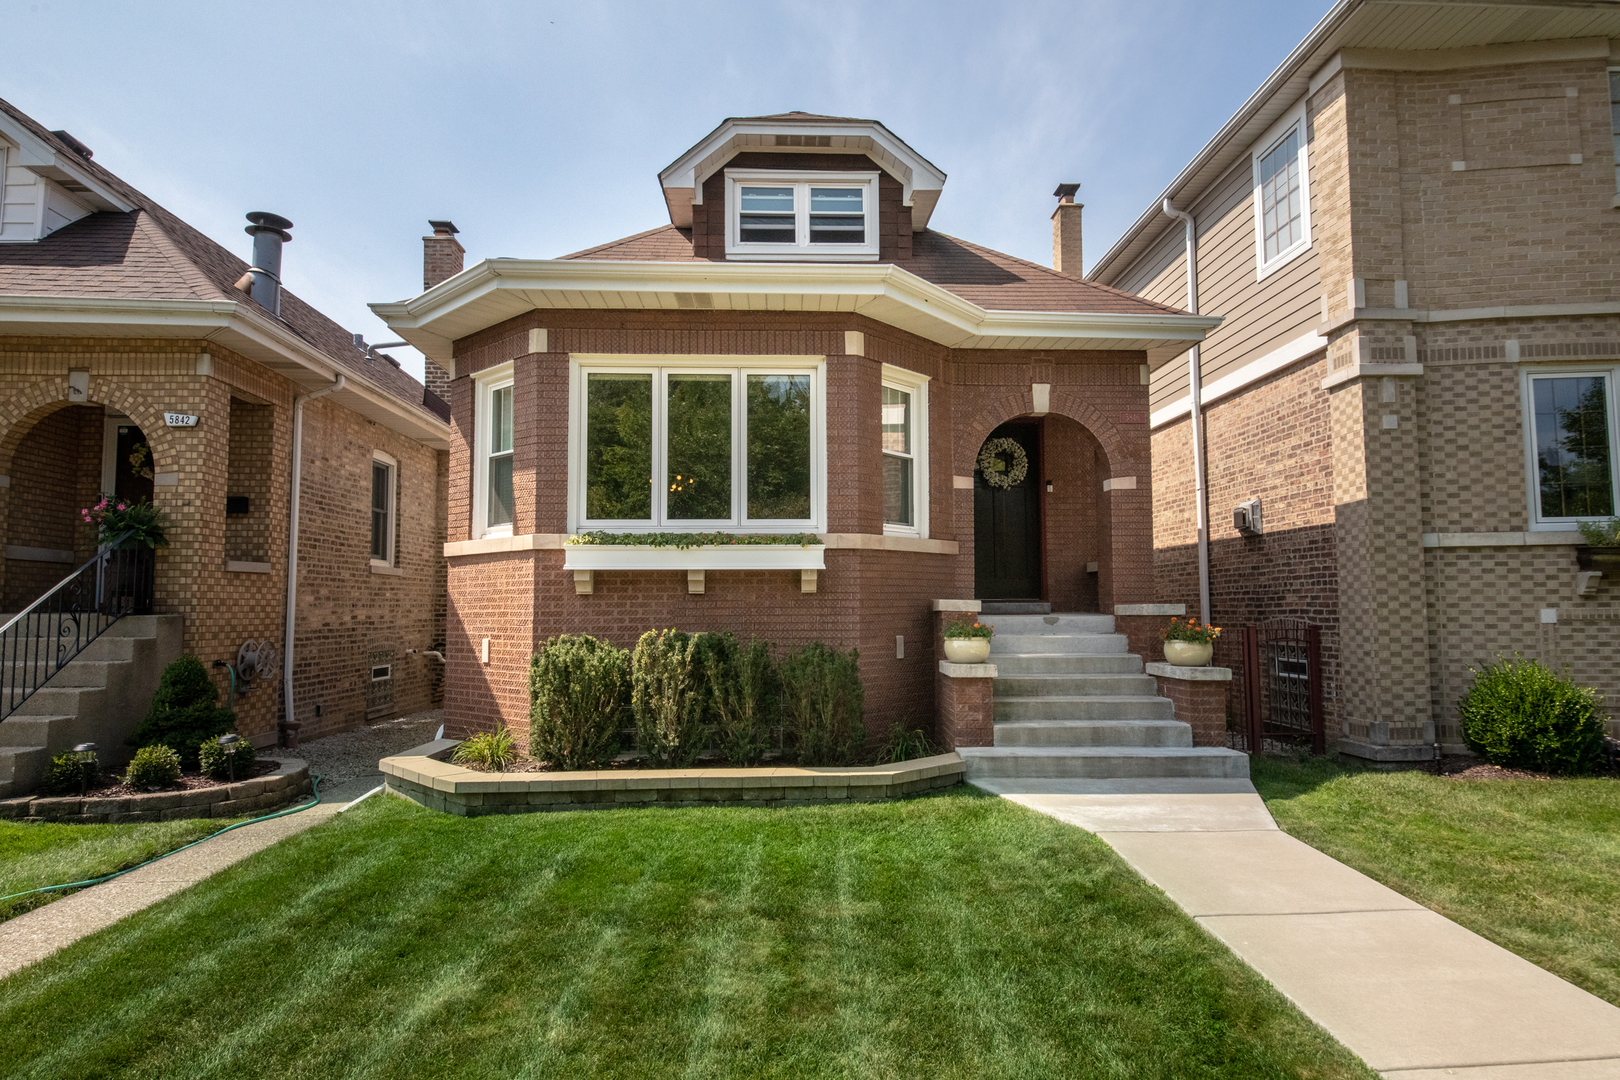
x=150, y=254
x=991, y=279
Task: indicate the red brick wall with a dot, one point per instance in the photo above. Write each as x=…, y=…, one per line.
x=966, y=712
x=1073, y=461
x=46, y=498
x=1200, y=704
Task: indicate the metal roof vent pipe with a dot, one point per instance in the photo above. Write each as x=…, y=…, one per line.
x=269, y=232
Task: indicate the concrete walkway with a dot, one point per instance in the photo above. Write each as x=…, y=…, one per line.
x=1412, y=993
x=33, y=936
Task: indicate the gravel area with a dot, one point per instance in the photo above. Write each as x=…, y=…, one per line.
x=350, y=755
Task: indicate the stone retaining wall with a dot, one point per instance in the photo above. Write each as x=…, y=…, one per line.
x=258, y=795
x=456, y=790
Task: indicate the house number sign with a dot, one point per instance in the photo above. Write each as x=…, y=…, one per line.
x=176, y=419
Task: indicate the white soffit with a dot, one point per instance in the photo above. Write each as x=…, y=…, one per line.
x=43, y=159
x=682, y=181
x=501, y=289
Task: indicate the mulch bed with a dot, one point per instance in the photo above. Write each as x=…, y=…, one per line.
x=111, y=788
x=1463, y=767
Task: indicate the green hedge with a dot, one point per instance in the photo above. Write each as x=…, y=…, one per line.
x=1518, y=714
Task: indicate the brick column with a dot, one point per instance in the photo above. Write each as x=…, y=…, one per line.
x=964, y=714
x=1143, y=625
x=1199, y=697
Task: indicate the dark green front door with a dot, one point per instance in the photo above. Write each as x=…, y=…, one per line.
x=1007, y=522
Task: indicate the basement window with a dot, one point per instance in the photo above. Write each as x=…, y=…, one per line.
x=1569, y=436
x=801, y=217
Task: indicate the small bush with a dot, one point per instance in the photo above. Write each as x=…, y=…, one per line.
x=905, y=744
x=211, y=759
x=822, y=704
x=67, y=774
x=184, y=712
x=153, y=766
x=579, y=688
x=1520, y=715
x=488, y=751
x=746, y=694
x=668, y=698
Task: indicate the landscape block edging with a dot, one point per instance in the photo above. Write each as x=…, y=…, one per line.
x=265, y=792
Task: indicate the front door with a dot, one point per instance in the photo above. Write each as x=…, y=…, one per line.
x=1007, y=515
x=131, y=465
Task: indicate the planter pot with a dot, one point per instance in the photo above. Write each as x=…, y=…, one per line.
x=1188, y=653
x=1605, y=559
x=967, y=650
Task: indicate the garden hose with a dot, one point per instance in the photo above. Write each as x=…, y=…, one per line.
x=314, y=799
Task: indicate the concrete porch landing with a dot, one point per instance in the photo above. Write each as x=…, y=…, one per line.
x=1412, y=993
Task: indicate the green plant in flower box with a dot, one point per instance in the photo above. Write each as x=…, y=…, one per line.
x=1190, y=629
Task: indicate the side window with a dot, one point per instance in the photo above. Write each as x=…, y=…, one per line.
x=493, y=419
x=1571, y=434
x=905, y=453
x=1282, y=193
x=384, y=485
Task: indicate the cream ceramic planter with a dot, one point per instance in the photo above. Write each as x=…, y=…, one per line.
x=1188, y=653
x=967, y=650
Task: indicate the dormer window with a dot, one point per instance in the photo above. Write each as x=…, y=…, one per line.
x=801, y=217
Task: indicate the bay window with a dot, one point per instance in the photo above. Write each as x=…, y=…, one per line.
x=904, y=443
x=773, y=215
x=698, y=446
x=1570, y=435
x=492, y=435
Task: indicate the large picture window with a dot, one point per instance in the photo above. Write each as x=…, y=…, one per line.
x=1282, y=193
x=492, y=454
x=904, y=442
x=1571, y=436
x=801, y=217
x=699, y=446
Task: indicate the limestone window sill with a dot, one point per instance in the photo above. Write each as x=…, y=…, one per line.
x=236, y=566
x=384, y=568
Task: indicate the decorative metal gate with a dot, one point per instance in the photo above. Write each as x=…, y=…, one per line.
x=1278, y=687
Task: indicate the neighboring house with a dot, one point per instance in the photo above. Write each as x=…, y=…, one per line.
x=796, y=351
x=119, y=325
x=1412, y=231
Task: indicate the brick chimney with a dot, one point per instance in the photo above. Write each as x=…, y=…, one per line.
x=1066, y=232
x=442, y=259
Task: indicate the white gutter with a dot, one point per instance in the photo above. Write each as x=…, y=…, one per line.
x=292, y=544
x=1196, y=406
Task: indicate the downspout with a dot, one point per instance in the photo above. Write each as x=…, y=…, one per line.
x=1196, y=394
x=292, y=543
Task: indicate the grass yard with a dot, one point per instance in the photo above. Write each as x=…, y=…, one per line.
x=35, y=855
x=955, y=935
x=1534, y=865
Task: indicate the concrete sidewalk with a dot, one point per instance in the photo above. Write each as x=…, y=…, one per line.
x=1412, y=993
x=33, y=936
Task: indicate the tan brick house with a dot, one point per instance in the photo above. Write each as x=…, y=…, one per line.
x=796, y=351
x=1412, y=231
x=123, y=329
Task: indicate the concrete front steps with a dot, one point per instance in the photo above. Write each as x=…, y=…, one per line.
x=1073, y=705
x=98, y=696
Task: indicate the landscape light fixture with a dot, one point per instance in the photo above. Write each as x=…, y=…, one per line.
x=227, y=743
x=85, y=755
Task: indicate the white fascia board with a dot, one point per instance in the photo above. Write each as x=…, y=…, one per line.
x=499, y=289
x=45, y=160
x=241, y=329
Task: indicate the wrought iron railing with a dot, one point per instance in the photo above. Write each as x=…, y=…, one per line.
x=41, y=639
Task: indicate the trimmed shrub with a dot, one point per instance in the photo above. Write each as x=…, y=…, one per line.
x=905, y=744
x=184, y=712
x=1520, y=715
x=822, y=704
x=746, y=695
x=153, y=766
x=67, y=774
x=667, y=698
x=488, y=751
x=211, y=759
x=579, y=688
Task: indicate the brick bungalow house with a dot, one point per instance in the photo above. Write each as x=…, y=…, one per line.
x=1412, y=230
x=124, y=330
x=796, y=351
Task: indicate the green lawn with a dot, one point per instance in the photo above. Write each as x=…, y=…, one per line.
x=1534, y=865
x=35, y=855
x=955, y=935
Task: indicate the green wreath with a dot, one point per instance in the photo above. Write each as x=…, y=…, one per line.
x=999, y=473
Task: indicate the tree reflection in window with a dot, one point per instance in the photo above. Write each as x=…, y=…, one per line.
x=618, y=450
x=778, y=447
x=699, y=468
x=1572, y=446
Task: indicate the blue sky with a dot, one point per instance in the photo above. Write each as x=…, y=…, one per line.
x=540, y=127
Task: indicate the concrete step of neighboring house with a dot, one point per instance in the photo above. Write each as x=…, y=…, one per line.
x=1090, y=707
x=1016, y=664
x=99, y=696
x=1092, y=733
x=1076, y=685
x=1061, y=623
x=1103, y=762
x=1070, y=644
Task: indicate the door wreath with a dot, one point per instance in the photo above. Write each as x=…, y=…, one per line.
x=1003, y=472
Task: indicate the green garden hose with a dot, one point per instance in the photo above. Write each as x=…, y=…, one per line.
x=314, y=799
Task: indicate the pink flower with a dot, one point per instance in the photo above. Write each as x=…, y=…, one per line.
x=121, y=506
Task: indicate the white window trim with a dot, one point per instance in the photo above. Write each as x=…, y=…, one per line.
x=486, y=383
x=917, y=386
x=661, y=366
x=802, y=250
x=1532, y=465
x=380, y=458
x=1294, y=119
